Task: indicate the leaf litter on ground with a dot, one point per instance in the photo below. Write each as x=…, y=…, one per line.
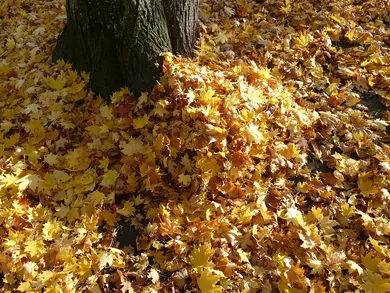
x=258, y=166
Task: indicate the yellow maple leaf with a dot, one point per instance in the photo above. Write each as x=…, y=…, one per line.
x=110, y=218
x=97, y=198
x=200, y=257
x=138, y=200
x=109, y=178
x=25, y=287
x=103, y=163
x=35, y=248
x=207, y=164
x=62, y=211
x=208, y=280
x=10, y=44
x=106, y=112
x=97, y=129
x=347, y=210
x=303, y=40
x=29, y=180
x=290, y=152
x=287, y=7
x=134, y=146
x=61, y=176
x=127, y=210
x=384, y=267
x=75, y=88
x=140, y=122
x=338, y=19
x=118, y=97
x=105, y=258
x=375, y=283
x=255, y=95
x=366, y=184
x=51, y=230
x=185, y=179
x=370, y=262
x=8, y=179
x=142, y=100
x=55, y=84
x=378, y=247
x=51, y=159
x=243, y=255
x=46, y=277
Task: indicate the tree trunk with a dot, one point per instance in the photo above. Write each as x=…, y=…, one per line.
x=119, y=41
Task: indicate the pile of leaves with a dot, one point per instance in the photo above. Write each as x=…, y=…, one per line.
x=262, y=165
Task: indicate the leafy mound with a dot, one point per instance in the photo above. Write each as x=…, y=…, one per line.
x=261, y=165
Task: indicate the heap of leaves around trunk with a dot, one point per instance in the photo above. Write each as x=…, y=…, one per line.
x=261, y=165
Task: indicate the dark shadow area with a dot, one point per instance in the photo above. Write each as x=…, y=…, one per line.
x=126, y=234
x=317, y=166
x=372, y=101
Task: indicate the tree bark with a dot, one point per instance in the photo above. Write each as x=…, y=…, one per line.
x=119, y=41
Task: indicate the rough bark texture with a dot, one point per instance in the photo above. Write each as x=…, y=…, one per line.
x=119, y=41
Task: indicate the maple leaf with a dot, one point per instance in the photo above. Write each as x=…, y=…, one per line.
x=141, y=121
x=75, y=88
x=97, y=198
x=374, y=283
x=366, y=184
x=134, y=146
x=185, y=179
x=35, y=248
x=142, y=100
x=290, y=152
x=127, y=210
x=384, y=267
x=110, y=218
x=10, y=44
x=303, y=39
x=106, y=112
x=106, y=258
x=55, y=84
x=200, y=257
x=103, y=163
x=222, y=37
x=32, y=108
x=353, y=266
x=61, y=176
x=243, y=255
x=30, y=180
x=51, y=159
x=62, y=211
x=25, y=287
x=109, y=178
x=51, y=230
x=254, y=95
x=208, y=280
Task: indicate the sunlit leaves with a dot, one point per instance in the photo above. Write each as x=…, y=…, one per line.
x=208, y=280
x=375, y=283
x=303, y=39
x=200, y=257
x=256, y=166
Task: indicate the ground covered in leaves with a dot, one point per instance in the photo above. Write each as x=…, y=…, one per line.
x=263, y=165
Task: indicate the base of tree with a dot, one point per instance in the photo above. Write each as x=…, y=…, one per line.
x=119, y=42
